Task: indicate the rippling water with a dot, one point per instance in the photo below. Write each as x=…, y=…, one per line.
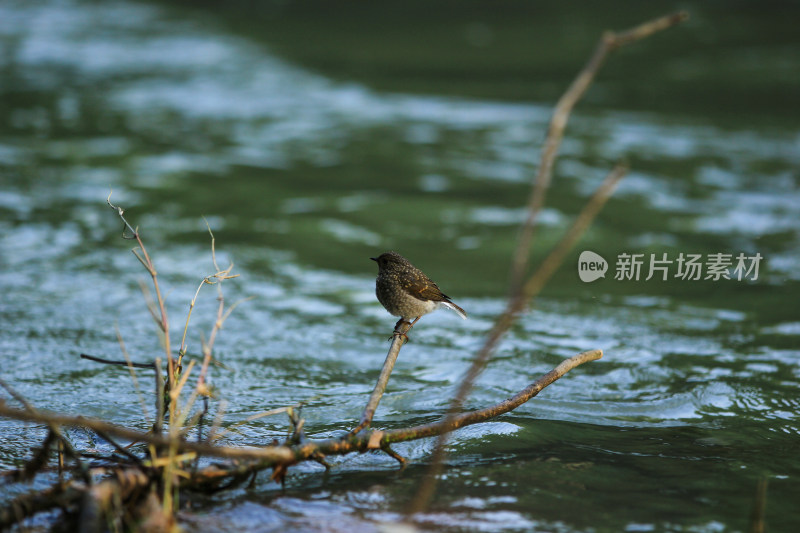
x=302, y=178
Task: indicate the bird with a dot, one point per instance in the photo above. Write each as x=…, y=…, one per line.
x=405, y=291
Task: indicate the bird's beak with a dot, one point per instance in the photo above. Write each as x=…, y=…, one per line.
x=374, y=259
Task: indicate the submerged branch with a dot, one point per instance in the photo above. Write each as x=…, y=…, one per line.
x=243, y=462
x=281, y=454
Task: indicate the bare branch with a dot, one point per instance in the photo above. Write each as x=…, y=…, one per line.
x=243, y=462
x=267, y=456
x=116, y=362
x=144, y=258
x=609, y=42
x=272, y=454
x=482, y=415
x=64, y=444
x=520, y=295
x=401, y=328
x=515, y=305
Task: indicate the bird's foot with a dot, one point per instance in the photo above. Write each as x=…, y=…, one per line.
x=398, y=334
x=401, y=328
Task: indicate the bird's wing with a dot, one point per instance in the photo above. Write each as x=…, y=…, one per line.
x=422, y=288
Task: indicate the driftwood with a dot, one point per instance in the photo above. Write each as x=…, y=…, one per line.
x=133, y=485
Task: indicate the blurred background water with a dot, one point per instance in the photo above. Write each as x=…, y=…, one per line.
x=313, y=135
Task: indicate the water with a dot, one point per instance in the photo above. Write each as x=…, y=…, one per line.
x=303, y=171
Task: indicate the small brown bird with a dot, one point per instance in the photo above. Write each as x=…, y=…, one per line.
x=405, y=291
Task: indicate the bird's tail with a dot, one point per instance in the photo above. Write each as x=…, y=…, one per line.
x=457, y=309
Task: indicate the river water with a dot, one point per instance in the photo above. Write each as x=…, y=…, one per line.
x=310, y=147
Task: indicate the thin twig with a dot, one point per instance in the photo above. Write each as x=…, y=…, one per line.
x=17, y=396
x=515, y=305
x=148, y=264
x=159, y=421
x=383, y=379
x=208, y=346
x=556, y=257
x=520, y=294
x=35, y=463
x=64, y=444
x=121, y=449
x=444, y=426
x=214, y=279
x=116, y=362
x=394, y=455
x=609, y=42
x=219, y=276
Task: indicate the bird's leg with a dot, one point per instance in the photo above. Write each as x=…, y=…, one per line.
x=402, y=327
x=399, y=330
